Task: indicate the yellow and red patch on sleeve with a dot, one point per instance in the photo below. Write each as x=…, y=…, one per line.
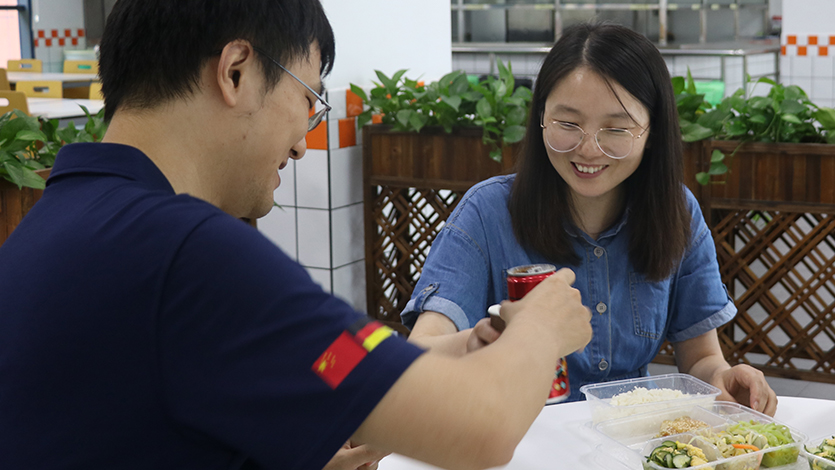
x=351, y=347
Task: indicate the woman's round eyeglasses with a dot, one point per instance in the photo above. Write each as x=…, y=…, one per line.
x=614, y=142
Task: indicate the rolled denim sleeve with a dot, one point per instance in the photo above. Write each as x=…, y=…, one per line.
x=455, y=277
x=701, y=301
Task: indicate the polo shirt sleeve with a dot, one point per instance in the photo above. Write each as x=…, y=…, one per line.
x=455, y=280
x=701, y=301
x=246, y=341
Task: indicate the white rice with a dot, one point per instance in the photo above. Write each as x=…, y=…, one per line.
x=641, y=395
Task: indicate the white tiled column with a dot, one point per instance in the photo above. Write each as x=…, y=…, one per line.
x=57, y=25
x=808, y=48
x=320, y=221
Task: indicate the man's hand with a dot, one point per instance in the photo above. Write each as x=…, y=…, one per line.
x=556, y=307
x=747, y=386
x=359, y=457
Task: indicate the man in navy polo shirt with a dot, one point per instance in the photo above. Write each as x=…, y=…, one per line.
x=143, y=326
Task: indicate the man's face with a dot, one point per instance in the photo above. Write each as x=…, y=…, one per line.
x=279, y=128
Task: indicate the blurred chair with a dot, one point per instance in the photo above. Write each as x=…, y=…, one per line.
x=10, y=100
x=95, y=91
x=25, y=65
x=4, y=81
x=81, y=66
x=41, y=88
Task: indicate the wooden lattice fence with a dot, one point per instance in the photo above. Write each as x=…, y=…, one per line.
x=772, y=221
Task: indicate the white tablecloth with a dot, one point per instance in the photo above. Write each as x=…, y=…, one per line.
x=560, y=439
x=61, y=108
x=15, y=77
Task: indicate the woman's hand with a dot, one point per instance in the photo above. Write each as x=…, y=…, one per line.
x=481, y=335
x=355, y=457
x=746, y=385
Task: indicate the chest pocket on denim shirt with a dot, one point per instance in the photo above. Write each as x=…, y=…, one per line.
x=650, y=302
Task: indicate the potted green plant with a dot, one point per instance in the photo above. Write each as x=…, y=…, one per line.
x=429, y=144
x=28, y=146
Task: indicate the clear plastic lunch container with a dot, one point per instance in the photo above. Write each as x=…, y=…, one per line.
x=637, y=436
x=815, y=462
x=600, y=395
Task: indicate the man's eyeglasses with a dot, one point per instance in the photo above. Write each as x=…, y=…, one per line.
x=314, y=120
x=564, y=137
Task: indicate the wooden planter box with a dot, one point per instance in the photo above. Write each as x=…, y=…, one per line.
x=412, y=183
x=15, y=203
x=773, y=219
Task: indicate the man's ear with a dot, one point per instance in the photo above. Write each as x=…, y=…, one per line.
x=237, y=71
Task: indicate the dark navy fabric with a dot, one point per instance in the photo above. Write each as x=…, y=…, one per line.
x=140, y=329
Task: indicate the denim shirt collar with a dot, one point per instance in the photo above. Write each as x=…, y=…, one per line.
x=612, y=231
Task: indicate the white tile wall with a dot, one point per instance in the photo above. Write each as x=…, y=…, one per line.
x=336, y=98
x=349, y=284
x=822, y=66
x=285, y=194
x=321, y=277
x=821, y=89
x=346, y=176
x=312, y=180
x=314, y=240
x=280, y=227
x=347, y=239
x=333, y=132
x=801, y=66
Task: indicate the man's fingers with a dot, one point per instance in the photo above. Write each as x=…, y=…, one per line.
x=567, y=275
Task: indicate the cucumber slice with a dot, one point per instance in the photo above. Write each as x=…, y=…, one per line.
x=681, y=461
x=668, y=460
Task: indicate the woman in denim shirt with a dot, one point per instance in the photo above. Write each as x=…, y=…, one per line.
x=599, y=190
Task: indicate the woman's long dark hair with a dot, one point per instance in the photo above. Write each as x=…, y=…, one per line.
x=540, y=203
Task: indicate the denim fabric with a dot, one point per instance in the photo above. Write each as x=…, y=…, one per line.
x=631, y=317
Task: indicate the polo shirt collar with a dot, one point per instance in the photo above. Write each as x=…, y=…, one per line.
x=108, y=159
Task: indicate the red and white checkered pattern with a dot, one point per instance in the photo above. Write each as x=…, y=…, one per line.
x=58, y=37
x=813, y=45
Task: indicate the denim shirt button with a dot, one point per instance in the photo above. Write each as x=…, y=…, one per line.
x=601, y=307
x=598, y=251
x=603, y=365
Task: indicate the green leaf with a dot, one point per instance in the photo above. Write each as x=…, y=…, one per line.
x=703, y=178
x=363, y=119
x=418, y=120
x=396, y=77
x=825, y=116
x=793, y=107
x=694, y=132
x=718, y=168
x=389, y=85
x=31, y=136
x=759, y=102
x=713, y=119
x=758, y=118
x=403, y=117
x=691, y=84
x=454, y=101
x=359, y=92
x=791, y=118
x=499, y=89
x=678, y=85
x=513, y=134
x=496, y=154
x=483, y=108
x=736, y=127
x=516, y=116
x=22, y=176
x=766, y=80
x=523, y=92
x=793, y=93
x=459, y=86
x=717, y=156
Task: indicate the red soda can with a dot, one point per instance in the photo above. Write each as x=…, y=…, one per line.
x=520, y=281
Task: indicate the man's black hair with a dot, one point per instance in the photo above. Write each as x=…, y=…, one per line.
x=153, y=51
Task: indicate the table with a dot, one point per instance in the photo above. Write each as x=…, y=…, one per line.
x=559, y=438
x=62, y=108
x=66, y=78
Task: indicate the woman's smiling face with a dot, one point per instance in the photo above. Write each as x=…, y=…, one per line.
x=584, y=99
